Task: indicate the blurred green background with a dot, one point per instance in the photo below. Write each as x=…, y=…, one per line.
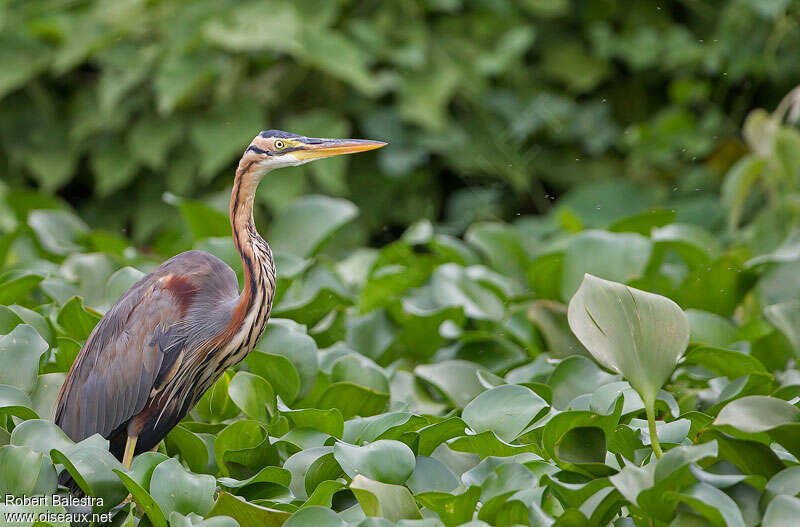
x=493, y=108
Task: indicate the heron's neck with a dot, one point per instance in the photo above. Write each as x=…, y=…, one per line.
x=257, y=262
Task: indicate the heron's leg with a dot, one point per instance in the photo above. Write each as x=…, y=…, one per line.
x=130, y=447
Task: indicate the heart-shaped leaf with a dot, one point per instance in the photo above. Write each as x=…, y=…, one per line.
x=632, y=332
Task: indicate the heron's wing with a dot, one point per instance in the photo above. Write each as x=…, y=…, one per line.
x=138, y=344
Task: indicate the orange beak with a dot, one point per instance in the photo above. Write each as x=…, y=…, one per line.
x=314, y=148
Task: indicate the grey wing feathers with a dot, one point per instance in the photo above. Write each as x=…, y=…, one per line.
x=140, y=337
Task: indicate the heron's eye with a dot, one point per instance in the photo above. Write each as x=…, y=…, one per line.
x=279, y=144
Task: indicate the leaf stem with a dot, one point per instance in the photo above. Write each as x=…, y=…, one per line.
x=649, y=408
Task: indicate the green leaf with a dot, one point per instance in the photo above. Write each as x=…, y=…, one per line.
x=617, y=257
x=176, y=489
x=457, y=380
x=711, y=503
x=763, y=418
x=25, y=472
x=786, y=317
x=245, y=513
x=638, y=334
x=308, y=222
x=254, y=396
x=576, y=376
x=287, y=358
x=755, y=414
x=738, y=184
x=732, y=364
x=351, y=399
x=506, y=410
x=143, y=499
x=16, y=288
x=92, y=468
x=783, y=510
x=192, y=449
x=204, y=221
x=77, y=320
x=19, y=352
x=385, y=460
x=393, y=502
x=314, y=515
x=710, y=328
x=14, y=401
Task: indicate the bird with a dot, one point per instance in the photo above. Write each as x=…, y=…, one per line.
x=171, y=335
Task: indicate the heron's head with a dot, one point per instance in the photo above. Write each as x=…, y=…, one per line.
x=273, y=149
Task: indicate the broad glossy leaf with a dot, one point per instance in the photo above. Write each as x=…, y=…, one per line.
x=712, y=503
x=25, y=472
x=254, y=395
x=613, y=256
x=308, y=222
x=393, y=502
x=635, y=333
x=385, y=460
x=314, y=515
x=506, y=410
x=282, y=342
x=19, y=353
x=247, y=514
x=59, y=232
x=457, y=380
x=93, y=469
x=783, y=510
x=351, y=399
x=176, y=489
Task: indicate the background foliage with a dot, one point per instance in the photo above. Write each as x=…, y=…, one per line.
x=419, y=361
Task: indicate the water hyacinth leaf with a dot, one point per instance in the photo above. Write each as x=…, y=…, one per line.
x=453, y=508
x=632, y=332
x=176, y=489
x=352, y=400
x=614, y=256
x=710, y=329
x=576, y=376
x=60, y=232
x=732, y=364
x=41, y=436
x=14, y=401
x=254, y=395
x=77, y=320
x=393, y=502
x=25, y=472
x=385, y=460
x=786, y=317
x=192, y=449
x=93, y=469
x=783, y=510
x=314, y=515
x=13, y=315
x=143, y=499
x=19, y=353
x=713, y=504
x=298, y=465
x=245, y=513
x=216, y=405
x=786, y=482
x=285, y=340
x=457, y=380
x=756, y=415
x=506, y=410
x=324, y=468
x=308, y=222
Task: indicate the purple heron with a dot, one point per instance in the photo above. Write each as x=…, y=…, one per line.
x=174, y=332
